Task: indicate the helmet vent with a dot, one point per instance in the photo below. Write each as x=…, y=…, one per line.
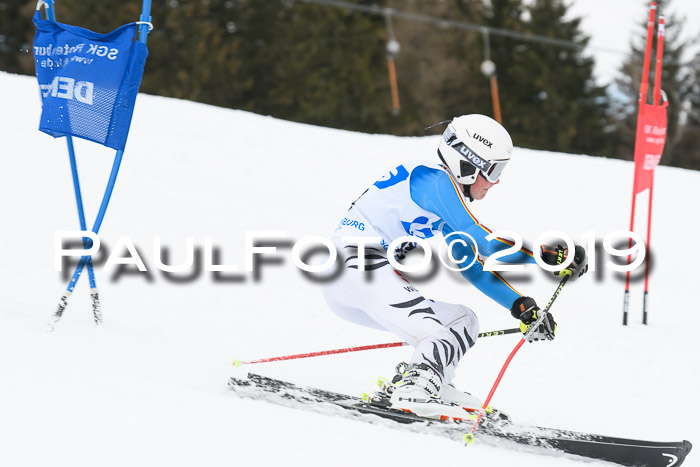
x=466, y=168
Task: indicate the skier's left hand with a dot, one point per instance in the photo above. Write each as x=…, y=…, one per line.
x=526, y=310
x=556, y=256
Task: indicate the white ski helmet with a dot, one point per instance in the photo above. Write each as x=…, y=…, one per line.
x=475, y=143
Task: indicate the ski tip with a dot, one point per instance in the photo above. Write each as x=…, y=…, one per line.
x=237, y=363
x=687, y=446
x=682, y=452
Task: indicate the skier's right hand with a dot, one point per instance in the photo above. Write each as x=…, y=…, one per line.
x=526, y=310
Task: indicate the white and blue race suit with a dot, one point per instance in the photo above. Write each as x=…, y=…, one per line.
x=421, y=199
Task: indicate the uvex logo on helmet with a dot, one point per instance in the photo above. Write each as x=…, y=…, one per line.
x=483, y=140
x=469, y=154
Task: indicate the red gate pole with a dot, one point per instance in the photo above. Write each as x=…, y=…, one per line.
x=642, y=101
x=657, y=98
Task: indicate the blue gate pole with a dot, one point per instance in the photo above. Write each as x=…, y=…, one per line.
x=96, y=309
x=87, y=243
x=144, y=29
x=98, y=221
x=145, y=20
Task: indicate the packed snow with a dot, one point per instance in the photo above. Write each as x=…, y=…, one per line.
x=148, y=387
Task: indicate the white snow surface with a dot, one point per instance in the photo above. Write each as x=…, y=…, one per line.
x=149, y=386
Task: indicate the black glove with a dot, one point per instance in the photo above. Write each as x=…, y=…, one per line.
x=556, y=256
x=526, y=310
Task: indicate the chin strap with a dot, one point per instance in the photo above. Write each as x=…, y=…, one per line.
x=467, y=192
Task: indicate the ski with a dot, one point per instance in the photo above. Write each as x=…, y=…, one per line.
x=492, y=431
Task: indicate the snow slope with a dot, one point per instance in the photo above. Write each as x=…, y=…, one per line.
x=149, y=386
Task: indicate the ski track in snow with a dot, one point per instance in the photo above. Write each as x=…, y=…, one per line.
x=149, y=386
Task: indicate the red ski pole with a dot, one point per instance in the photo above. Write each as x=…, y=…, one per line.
x=319, y=354
x=238, y=363
x=469, y=437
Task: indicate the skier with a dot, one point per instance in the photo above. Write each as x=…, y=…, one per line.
x=423, y=199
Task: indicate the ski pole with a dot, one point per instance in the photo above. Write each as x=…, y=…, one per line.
x=238, y=363
x=469, y=437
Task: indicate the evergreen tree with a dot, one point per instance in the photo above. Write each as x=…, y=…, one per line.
x=310, y=63
x=326, y=65
x=686, y=152
x=549, y=98
x=675, y=83
x=193, y=52
x=438, y=67
x=508, y=14
x=16, y=36
x=296, y=61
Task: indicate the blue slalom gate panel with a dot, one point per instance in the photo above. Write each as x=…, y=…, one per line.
x=88, y=81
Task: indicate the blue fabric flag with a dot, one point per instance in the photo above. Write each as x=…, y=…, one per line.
x=88, y=81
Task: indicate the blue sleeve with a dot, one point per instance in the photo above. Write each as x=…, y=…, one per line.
x=435, y=191
x=489, y=282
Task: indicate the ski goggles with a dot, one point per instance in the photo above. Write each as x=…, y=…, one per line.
x=472, y=161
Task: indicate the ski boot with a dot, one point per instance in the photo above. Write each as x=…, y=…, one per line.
x=449, y=404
